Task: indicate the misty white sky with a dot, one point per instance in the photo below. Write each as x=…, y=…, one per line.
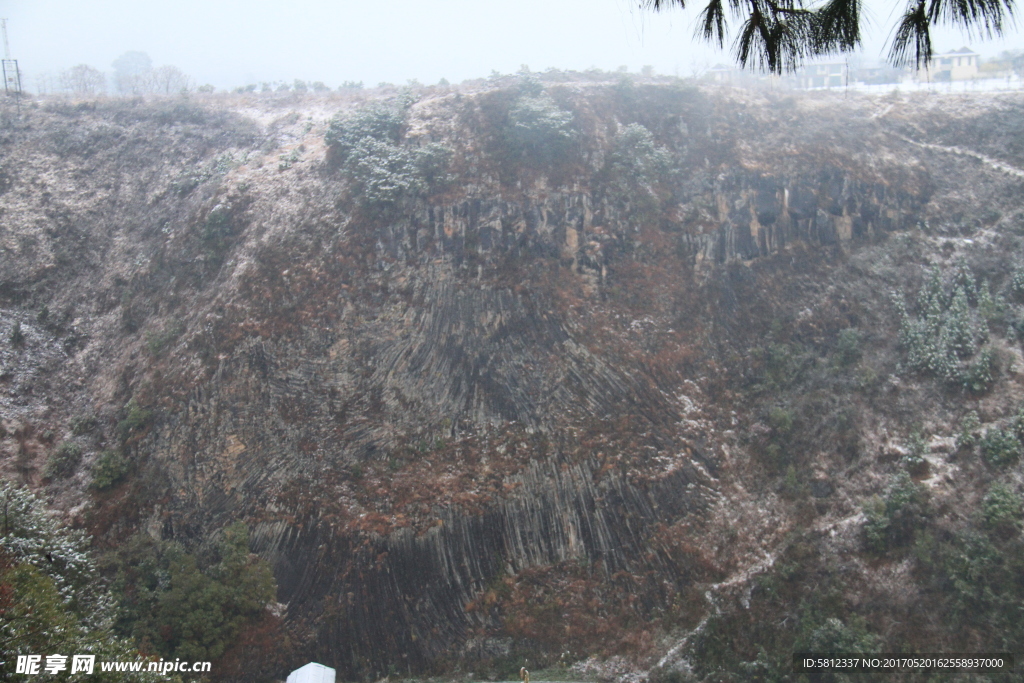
x=234, y=42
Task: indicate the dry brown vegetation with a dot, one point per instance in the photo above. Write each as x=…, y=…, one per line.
x=516, y=414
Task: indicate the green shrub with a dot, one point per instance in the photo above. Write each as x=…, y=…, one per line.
x=792, y=487
x=135, y=420
x=379, y=122
x=635, y=167
x=538, y=131
x=876, y=528
x=944, y=333
x=782, y=365
x=914, y=461
x=63, y=460
x=865, y=379
x=217, y=230
x=1001, y=508
x=186, y=609
x=83, y=424
x=383, y=172
x=285, y=161
x=892, y=520
x=192, y=177
x=52, y=595
x=1000, y=447
x=1017, y=424
x=529, y=85
x=1017, y=284
x=990, y=308
x=836, y=636
x=432, y=162
x=764, y=668
x=157, y=342
x=969, y=426
x=848, y=347
x=781, y=420
x=108, y=469
x=17, y=337
x=1016, y=325
x=979, y=580
x=978, y=376
x=188, y=180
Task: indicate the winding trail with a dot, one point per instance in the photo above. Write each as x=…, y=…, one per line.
x=960, y=151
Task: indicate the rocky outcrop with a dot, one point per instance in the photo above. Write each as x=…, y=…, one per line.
x=401, y=599
x=411, y=408
x=745, y=216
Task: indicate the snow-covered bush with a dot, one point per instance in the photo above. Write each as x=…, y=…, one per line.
x=967, y=435
x=1017, y=284
x=1001, y=508
x=52, y=600
x=384, y=174
x=379, y=122
x=63, y=460
x=636, y=165
x=1000, y=447
x=33, y=536
x=382, y=171
x=891, y=520
x=943, y=335
x=109, y=469
x=538, y=130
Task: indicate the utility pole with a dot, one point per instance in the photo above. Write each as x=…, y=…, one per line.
x=12, y=75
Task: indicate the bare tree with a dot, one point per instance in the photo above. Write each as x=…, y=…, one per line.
x=132, y=72
x=45, y=84
x=134, y=75
x=169, y=80
x=83, y=81
x=134, y=84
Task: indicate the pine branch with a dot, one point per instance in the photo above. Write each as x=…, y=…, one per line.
x=777, y=35
x=912, y=37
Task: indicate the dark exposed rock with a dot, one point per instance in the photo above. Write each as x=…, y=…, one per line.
x=411, y=408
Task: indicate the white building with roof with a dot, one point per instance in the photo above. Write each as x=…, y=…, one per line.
x=312, y=673
x=821, y=75
x=955, y=65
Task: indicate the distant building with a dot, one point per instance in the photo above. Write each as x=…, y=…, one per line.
x=822, y=75
x=731, y=75
x=722, y=73
x=878, y=74
x=955, y=65
x=312, y=673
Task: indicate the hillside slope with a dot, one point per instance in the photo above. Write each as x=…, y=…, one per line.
x=482, y=402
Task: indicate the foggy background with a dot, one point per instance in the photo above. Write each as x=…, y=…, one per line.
x=233, y=43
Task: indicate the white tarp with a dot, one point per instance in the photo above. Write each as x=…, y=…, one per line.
x=312, y=673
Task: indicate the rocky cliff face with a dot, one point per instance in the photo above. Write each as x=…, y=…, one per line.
x=522, y=414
